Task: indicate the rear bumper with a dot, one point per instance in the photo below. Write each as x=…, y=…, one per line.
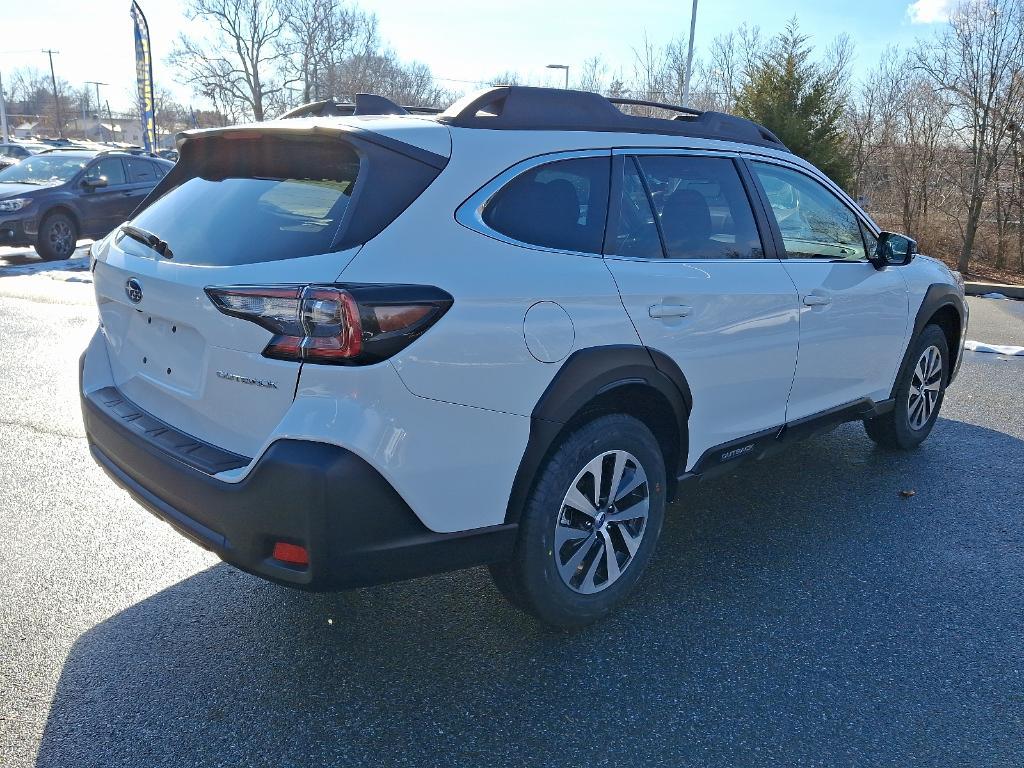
x=355, y=526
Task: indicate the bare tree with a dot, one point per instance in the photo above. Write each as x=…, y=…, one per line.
x=239, y=64
x=320, y=35
x=976, y=62
x=592, y=75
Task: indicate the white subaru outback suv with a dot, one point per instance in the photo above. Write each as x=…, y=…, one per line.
x=346, y=350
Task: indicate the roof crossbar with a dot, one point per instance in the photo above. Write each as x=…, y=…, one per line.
x=364, y=104
x=525, y=108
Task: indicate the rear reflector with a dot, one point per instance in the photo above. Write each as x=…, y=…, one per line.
x=292, y=554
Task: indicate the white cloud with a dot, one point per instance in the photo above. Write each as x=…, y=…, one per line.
x=928, y=11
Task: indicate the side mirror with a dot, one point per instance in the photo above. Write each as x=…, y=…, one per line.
x=96, y=183
x=893, y=250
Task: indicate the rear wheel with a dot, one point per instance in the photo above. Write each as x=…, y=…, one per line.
x=590, y=525
x=920, y=389
x=58, y=236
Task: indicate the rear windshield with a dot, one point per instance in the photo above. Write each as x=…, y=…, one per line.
x=254, y=200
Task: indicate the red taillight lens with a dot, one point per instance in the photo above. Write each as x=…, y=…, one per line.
x=328, y=328
x=342, y=325
x=291, y=554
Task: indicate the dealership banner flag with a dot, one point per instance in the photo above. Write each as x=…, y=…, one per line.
x=144, y=76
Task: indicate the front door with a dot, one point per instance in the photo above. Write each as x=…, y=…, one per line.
x=853, y=318
x=688, y=259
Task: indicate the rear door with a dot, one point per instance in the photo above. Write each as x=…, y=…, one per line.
x=142, y=177
x=854, y=318
x=103, y=208
x=686, y=251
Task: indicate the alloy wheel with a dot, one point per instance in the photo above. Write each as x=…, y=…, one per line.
x=60, y=237
x=924, y=388
x=601, y=522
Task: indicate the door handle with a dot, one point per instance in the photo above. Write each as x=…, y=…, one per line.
x=669, y=310
x=815, y=300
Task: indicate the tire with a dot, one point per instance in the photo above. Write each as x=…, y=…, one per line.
x=564, y=586
x=58, y=236
x=911, y=421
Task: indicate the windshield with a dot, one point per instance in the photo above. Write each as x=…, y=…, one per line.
x=44, y=170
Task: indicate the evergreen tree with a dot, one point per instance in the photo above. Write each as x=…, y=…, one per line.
x=800, y=100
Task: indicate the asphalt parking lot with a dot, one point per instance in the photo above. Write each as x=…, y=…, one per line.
x=801, y=612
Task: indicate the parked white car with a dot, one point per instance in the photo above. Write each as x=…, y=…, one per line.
x=345, y=350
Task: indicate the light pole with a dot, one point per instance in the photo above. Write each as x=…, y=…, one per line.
x=689, y=56
x=561, y=66
x=99, y=106
x=3, y=113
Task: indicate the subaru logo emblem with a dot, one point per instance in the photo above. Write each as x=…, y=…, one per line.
x=134, y=290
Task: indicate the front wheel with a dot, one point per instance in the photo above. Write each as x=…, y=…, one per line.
x=919, y=392
x=58, y=236
x=590, y=525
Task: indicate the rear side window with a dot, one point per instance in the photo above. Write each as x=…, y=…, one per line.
x=256, y=198
x=636, y=235
x=140, y=171
x=702, y=207
x=561, y=205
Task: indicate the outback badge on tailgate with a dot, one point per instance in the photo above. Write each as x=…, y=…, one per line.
x=266, y=383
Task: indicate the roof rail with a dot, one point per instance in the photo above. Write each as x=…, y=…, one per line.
x=554, y=109
x=365, y=104
x=658, y=104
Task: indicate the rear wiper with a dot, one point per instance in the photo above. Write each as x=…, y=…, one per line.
x=147, y=238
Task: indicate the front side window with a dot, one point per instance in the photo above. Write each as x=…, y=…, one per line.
x=110, y=168
x=561, y=205
x=814, y=223
x=702, y=207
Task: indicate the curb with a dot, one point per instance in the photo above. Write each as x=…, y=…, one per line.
x=979, y=289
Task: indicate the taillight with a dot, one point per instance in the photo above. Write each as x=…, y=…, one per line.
x=335, y=324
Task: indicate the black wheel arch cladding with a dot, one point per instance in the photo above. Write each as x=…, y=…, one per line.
x=938, y=301
x=594, y=375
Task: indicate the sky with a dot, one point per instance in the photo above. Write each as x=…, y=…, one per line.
x=461, y=40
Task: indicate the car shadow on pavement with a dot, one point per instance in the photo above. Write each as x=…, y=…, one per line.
x=801, y=611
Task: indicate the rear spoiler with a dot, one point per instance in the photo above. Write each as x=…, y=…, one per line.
x=334, y=129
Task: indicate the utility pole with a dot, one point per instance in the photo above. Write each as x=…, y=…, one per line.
x=689, y=56
x=3, y=112
x=110, y=120
x=56, y=98
x=99, y=105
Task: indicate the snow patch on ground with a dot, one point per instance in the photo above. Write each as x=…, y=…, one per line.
x=994, y=295
x=998, y=349
x=20, y=262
